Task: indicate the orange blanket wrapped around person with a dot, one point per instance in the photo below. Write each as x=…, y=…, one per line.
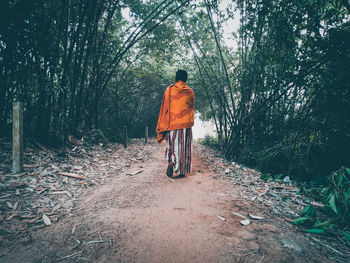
x=177, y=110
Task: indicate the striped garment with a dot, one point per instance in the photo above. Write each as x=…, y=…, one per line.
x=179, y=149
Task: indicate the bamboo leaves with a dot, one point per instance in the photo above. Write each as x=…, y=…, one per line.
x=300, y=220
x=330, y=212
x=331, y=203
x=315, y=231
x=67, y=54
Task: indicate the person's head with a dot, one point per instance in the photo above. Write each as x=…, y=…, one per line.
x=181, y=75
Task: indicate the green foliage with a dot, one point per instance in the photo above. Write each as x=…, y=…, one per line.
x=252, y=158
x=308, y=211
x=265, y=177
x=113, y=135
x=300, y=220
x=315, y=231
x=332, y=203
x=87, y=65
x=332, y=215
x=288, y=111
x=277, y=176
x=96, y=136
x=346, y=235
x=210, y=141
x=324, y=224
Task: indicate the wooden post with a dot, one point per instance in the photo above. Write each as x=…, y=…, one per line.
x=146, y=134
x=17, y=137
x=125, y=136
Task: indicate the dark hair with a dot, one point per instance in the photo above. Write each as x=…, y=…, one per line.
x=181, y=75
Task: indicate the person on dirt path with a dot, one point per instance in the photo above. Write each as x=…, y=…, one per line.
x=176, y=117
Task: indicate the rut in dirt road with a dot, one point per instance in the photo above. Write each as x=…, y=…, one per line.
x=143, y=216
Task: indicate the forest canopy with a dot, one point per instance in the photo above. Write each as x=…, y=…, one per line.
x=280, y=100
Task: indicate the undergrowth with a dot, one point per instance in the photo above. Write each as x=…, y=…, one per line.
x=211, y=142
x=328, y=205
x=328, y=208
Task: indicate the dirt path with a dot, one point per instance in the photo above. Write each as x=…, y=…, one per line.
x=164, y=220
x=146, y=217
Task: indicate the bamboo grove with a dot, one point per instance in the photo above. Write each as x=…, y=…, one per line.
x=67, y=61
x=280, y=100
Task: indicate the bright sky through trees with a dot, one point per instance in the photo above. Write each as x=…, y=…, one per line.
x=230, y=26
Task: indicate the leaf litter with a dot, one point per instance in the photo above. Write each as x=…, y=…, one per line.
x=52, y=181
x=276, y=196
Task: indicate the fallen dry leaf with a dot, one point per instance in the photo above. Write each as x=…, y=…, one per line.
x=239, y=215
x=82, y=177
x=245, y=222
x=221, y=218
x=256, y=217
x=46, y=220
